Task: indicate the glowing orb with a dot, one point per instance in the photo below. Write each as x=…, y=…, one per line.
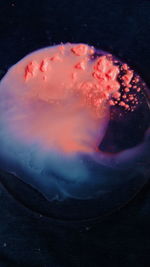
x=66, y=117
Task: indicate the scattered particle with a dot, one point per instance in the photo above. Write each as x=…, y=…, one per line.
x=80, y=50
x=124, y=96
x=122, y=103
x=44, y=65
x=80, y=65
x=111, y=102
x=125, y=66
x=131, y=97
x=127, y=77
x=91, y=51
x=116, y=95
x=31, y=69
x=126, y=89
x=56, y=58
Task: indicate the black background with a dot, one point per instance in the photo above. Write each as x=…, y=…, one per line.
x=26, y=237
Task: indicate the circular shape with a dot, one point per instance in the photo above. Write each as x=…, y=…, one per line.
x=75, y=126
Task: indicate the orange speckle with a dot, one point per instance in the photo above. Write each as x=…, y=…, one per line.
x=124, y=96
x=44, y=65
x=126, y=89
x=125, y=66
x=91, y=51
x=112, y=73
x=128, y=77
x=131, y=97
x=101, y=64
x=122, y=103
x=31, y=69
x=116, y=95
x=80, y=65
x=55, y=58
x=99, y=76
x=111, y=102
x=80, y=50
x=105, y=95
x=126, y=106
